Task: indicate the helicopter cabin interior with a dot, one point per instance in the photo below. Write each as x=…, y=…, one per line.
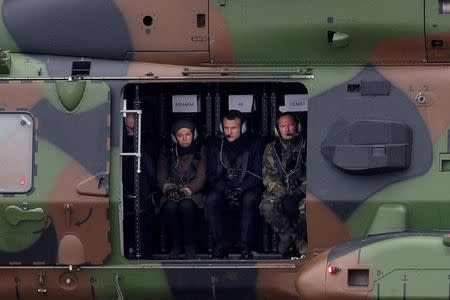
x=155, y=107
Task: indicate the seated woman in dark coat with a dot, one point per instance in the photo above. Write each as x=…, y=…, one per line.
x=181, y=176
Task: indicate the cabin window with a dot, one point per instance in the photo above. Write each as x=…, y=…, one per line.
x=16, y=152
x=444, y=6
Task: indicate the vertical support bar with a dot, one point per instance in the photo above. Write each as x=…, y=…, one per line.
x=209, y=116
x=137, y=177
x=162, y=116
x=124, y=108
x=266, y=239
x=273, y=110
x=274, y=241
x=217, y=113
x=163, y=240
x=264, y=116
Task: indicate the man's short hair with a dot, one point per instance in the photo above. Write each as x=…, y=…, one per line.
x=233, y=115
x=288, y=114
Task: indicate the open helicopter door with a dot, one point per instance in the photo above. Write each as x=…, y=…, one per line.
x=364, y=135
x=55, y=158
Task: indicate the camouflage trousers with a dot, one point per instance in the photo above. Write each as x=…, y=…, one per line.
x=271, y=208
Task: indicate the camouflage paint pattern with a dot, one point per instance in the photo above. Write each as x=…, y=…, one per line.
x=76, y=177
x=389, y=273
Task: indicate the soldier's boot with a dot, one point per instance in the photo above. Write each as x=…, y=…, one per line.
x=285, y=246
x=302, y=246
x=287, y=238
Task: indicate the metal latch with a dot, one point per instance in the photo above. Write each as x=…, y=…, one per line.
x=14, y=214
x=68, y=213
x=42, y=284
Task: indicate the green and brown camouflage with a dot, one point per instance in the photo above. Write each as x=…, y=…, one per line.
x=291, y=152
x=279, y=182
x=378, y=152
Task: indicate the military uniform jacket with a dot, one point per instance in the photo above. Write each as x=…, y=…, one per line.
x=274, y=178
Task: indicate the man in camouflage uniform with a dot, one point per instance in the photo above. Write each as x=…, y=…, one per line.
x=284, y=176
